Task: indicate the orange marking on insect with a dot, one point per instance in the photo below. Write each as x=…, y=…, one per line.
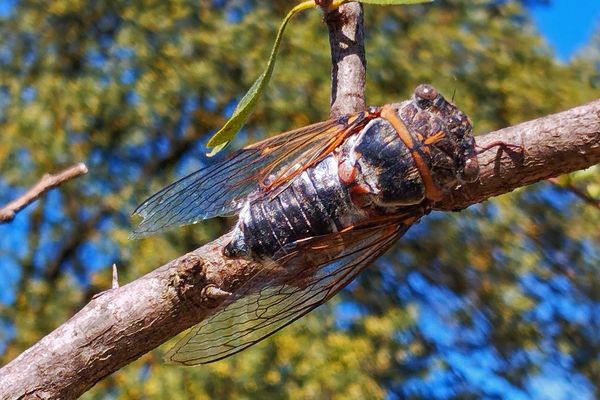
x=434, y=138
x=410, y=220
x=360, y=189
x=357, y=122
x=353, y=118
x=432, y=192
x=359, y=195
x=346, y=172
x=266, y=150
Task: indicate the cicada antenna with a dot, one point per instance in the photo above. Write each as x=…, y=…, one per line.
x=454, y=90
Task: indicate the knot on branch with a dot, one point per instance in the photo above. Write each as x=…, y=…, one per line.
x=189, y=273
x=212, y=295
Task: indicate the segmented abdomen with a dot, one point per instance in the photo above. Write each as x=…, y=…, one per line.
x=315, y=203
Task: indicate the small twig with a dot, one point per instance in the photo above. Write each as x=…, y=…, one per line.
x=115, y=277
x=46, y=182
x=577, y=192
x=346, y=39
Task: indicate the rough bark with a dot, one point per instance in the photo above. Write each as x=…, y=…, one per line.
x=553, y=145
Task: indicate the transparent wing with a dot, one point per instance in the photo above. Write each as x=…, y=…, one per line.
x=285, y=291
x=220, y=189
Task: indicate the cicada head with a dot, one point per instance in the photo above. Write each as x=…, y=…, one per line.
x=447, y=135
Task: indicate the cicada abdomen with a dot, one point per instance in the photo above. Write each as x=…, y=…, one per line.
x=407, y=156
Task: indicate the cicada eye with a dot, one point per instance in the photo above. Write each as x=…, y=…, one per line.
x=425, y=95
x=426, y=92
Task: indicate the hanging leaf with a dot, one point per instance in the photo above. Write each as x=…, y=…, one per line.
x=247, y=104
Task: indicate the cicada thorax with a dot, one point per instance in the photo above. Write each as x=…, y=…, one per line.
x=408, y=155
x=382, y=170
x=411, y=154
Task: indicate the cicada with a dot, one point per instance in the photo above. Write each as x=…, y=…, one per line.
x=316, y=205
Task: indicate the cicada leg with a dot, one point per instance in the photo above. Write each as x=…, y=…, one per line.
x=502, y=145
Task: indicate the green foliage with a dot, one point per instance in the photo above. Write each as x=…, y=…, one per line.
x=508, y=288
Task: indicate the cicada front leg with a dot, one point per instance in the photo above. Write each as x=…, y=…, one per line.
x=502, y=145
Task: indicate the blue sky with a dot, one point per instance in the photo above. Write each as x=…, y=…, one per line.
x=567, y=25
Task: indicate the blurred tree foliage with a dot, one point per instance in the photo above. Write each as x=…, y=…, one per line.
x=499, y=301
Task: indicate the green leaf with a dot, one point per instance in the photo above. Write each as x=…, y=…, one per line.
x=248, y=103
x=246, y=106
x=215, y=150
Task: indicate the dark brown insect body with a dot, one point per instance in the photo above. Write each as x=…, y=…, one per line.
x=373, y=173
x=316, y=205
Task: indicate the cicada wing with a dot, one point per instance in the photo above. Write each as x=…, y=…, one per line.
x=284, y=291
x=220, y=189
x=212, y=191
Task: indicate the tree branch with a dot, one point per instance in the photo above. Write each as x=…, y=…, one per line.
x=121, y=324
x=581, y=194
x=346, y=39
x=46, y=182
x=554, y=145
